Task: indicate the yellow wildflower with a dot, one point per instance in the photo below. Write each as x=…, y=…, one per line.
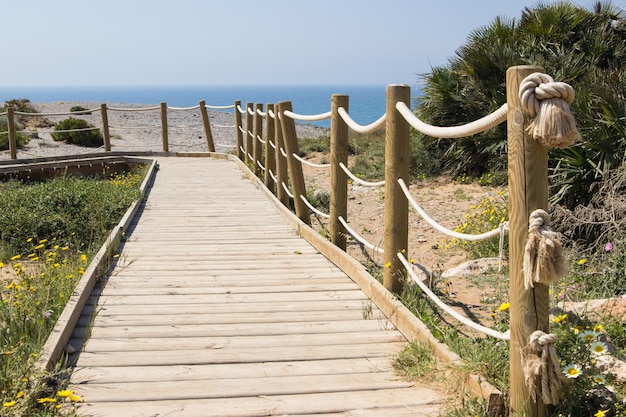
x=560, y=318
x=46, y=400
x=64, y=393
x=9, y=404
x=504, y=306
x=582, y=261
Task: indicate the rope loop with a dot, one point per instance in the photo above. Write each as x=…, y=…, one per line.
x=542, y=371
x=543, y=255
x=548, y=102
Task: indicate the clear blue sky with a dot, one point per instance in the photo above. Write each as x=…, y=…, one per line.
x=226, y=42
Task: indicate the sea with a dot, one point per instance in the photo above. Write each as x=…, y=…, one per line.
x=366, y=103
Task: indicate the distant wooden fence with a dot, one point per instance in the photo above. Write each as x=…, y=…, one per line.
x=105, y=127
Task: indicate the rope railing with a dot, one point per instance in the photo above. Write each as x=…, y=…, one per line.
x=359, y=238
x=287, y=190
x=309, y=163
x=461, y=318
x=197, y=106
x=313, y=209
x=359, y=180
x=372, y=127
x=131, y=109
x=451, y=233
x=308, y=118
x=468, y=129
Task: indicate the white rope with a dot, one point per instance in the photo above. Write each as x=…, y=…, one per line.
x=225, y=126
x=260, y=139
x=273, y=176
x=360, y=181
x=134, y=127
x=184, y=126
x=242, y=150
x=463, y=236
x=260, y=165
x=220, y=107
x=308, y=118
x=222, y=145
x=313, y=209
x=85, y=129
x=282, y=151
x=468, y=129
x=311, y=164
x=372, y=127
x=286, y=189
x=271, y=113
x=271, y=144
x=241, y=109
x=134, y=108
x=446, y=308
x=260, y=113
x=250, y=156
x=197, y=106
x=358, y=237
x=241, y=130
x=250, y=111
x=71, y=113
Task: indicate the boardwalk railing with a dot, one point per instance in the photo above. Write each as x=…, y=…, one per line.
x=274, y=157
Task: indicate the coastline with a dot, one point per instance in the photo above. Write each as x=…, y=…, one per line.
x=134, y=131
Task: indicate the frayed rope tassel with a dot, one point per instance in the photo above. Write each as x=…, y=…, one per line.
x=543, y=256
x=548, y=101
x=541, y=367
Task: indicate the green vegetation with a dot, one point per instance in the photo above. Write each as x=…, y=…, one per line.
x=584, y=48
x=48, y=234
x=21, y=105
x=77, y=132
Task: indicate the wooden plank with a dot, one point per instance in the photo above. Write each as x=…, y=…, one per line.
x=376, y=401
x=117, y=374
x=153, y=344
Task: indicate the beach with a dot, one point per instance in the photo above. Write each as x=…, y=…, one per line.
x=133, y=130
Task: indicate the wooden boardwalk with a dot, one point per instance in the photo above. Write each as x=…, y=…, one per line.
x=217, y=308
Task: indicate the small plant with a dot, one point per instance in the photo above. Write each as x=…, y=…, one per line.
x=77, y=132
x=79, y=109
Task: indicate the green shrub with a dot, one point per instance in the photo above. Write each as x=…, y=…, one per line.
x=20, y=138
x=77, y=132
x=79, y=109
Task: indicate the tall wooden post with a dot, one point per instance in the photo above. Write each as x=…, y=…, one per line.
x=11, y=128
x=338, y=178
x=105, y=127
x=239, y=127
x=282, y=175
x=396, y=203
x=257, y=148
x=270, y=154
x=295, y=167
x=528, y=190
x=249, y=128
x=207, y=126
x=166, y=146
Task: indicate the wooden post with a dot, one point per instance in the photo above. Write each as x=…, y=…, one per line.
x=166, y=146
x=294, y=166
x=396, y=203
x=11, y=128
x=239, y=127
x=338, y=177
x=282, y=175
x=270, y=154
x=207, y=126
x=105, y=127
x=257, y=148
x=528, y=190
x=249, y=128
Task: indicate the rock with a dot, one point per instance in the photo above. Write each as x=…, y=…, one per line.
x=477, y=266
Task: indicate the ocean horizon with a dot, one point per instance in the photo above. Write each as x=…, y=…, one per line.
x=366, y=103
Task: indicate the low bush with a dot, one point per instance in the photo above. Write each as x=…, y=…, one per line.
x=77, y=132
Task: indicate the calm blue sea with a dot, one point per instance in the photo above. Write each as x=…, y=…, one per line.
x=366, y=103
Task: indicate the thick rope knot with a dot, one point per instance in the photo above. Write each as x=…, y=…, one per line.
x=541, y=364
x=548, y=102
x=543, y=255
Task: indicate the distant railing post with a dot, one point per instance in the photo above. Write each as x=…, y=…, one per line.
x=207, y=126
x=239, y=127
x=528, y=191
x=166, y=146
x=338, y=177
x=257, y=148
x=270, y=155
x=396, y=203
x=295, y=166
x=249, y=128
x=105, y=127
x=282, y=174
x=11, y=128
